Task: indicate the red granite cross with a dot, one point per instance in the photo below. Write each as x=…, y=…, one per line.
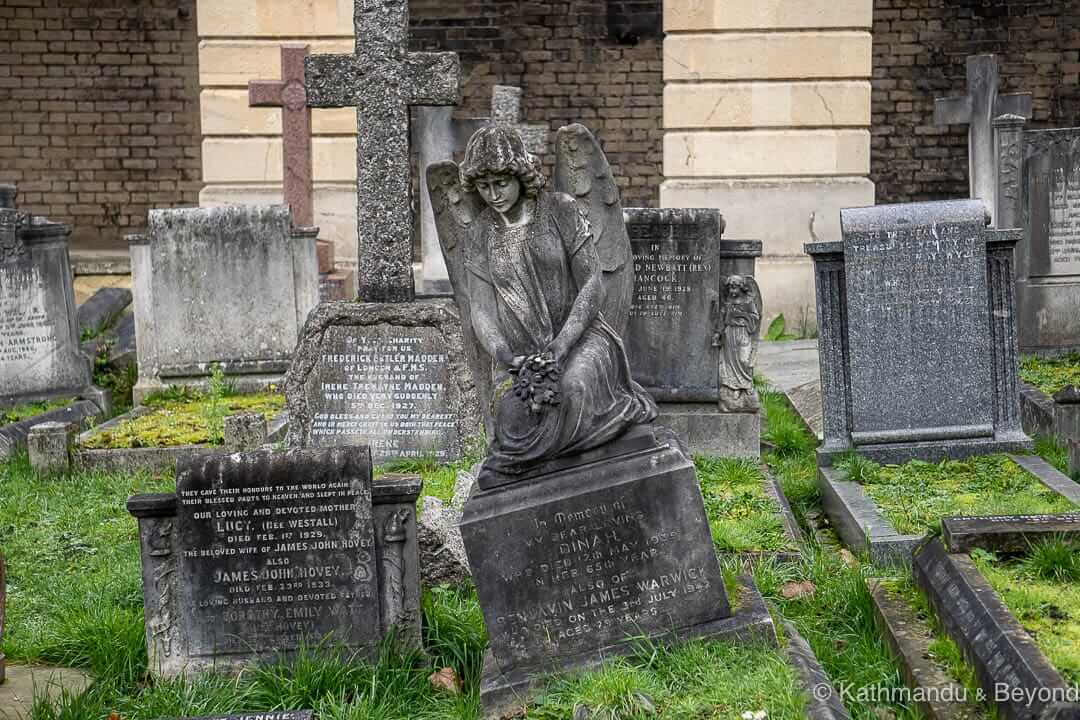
x=290, y=95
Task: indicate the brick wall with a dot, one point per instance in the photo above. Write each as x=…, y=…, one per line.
x=586, y=61
x=920, y=48
x=99, y=118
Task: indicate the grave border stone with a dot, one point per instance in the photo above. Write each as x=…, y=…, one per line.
x=157, y=515
x=863, y=528
x=441, y=315
x=1000, y=650
x=833, y=346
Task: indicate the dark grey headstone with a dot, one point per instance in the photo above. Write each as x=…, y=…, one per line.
x=917, y=333
x=1049, y=289
x=40, y=355
x=390, y=376
x=102, y=308
x=917, y=313
x=276, y=550
x=600, y=553
x=671, y=339
x=271, y=715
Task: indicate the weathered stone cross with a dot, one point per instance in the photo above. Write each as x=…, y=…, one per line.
x=290, y=95
x=506, y=110
x=382, y=79
x=977, y=110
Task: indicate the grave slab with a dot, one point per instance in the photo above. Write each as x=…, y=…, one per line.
x=823, y=701
x=1008, y=664
x=1007, y=533
x=257, y=554
x=914, y=297
x=392, y=376
x=13, y=435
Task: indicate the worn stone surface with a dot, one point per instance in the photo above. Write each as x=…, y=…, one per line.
x=272, y=715
x=615, y=549
x=26, y=684
x=187, y=313
x=1036, y=410
x=13, y=435
x=915, y=297
x=909, y=638
x=442, y=552
x=382, y=79
x=245, y=431
x=40, y=355
x=102, y=309
x=258, y=553
x=1049, y=476
x=290, y=95
x=1039, y=175
x=50, y=445
x=1006, y=533
x=391, y=376
x=1072, y=448
x=703, y=429
x=823, y=702
x=1002, y=654
x=977, y=110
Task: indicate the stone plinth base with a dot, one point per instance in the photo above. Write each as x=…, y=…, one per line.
x=704, y=430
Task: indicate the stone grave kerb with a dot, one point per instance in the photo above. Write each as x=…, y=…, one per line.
x=977, y=109
x=382, y=80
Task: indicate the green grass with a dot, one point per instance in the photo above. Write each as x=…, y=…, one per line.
x=1051, y=374
x=186, y=421
x=438, y=479
x=915, y=496
x=742, y=517
x=29, y=410
x=1051, y=449
x=1042, y=590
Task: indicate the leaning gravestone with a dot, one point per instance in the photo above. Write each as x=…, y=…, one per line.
x=258, y=554
x=917, y=336
x=40, y=355
x=676, y=329
x=226, y=285
x=390, y=376
x=1038, y=176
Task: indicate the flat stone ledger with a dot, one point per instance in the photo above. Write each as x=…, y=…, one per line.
x=189, y=313
x=1049, y=282
x=40, y=357
x=390, y=376
x=259, y=554
x=569, y=566
x=918, y=334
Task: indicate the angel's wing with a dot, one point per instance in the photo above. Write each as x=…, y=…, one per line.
x=755, y=329
x=582, y=171
x=455, y=210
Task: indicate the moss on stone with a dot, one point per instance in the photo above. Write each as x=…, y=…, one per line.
x=914, y=497
x=181, y=422
x=29, y=410
x=1051, y=374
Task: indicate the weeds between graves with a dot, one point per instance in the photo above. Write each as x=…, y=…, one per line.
x=1053, y=451
x=1042, y=591
x=29, y=410
x=1051, y=374
x=742, y=517
x=915, y=496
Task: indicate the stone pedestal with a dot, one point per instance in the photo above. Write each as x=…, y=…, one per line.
x=1073, y=447
x=50, y=446
x=704, y=430
x=245, y=431
x=570, y=564
x=1067, y=413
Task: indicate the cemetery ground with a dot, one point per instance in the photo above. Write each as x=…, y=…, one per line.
x=74, y=599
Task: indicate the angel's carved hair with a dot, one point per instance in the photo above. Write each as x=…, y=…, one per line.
x=499, y=150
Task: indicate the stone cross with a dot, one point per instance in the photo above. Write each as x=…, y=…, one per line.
x=381, y=80
x=506, y=110
x=977, y=110
x=290, y=95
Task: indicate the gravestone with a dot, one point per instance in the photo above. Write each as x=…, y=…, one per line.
x=391, y=376
x=439, y=137
x=917, y=337
x=673, y=339
x=40, y=355
x=272, y=715
x=228, y=285
x=1006, y=533
x=1038, y=189
x=259, y=554
x=977, y=109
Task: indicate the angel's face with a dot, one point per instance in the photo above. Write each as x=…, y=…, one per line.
x=501, y=192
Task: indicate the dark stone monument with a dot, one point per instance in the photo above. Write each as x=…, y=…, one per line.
x=675, y=336
x=1006, y=533
x=271, y=715
x=1008, y=664
x=259, y=553
x=918, y=334
x=587, y=528
x=1038, y=189
x=188, y=313
x=389, y=376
